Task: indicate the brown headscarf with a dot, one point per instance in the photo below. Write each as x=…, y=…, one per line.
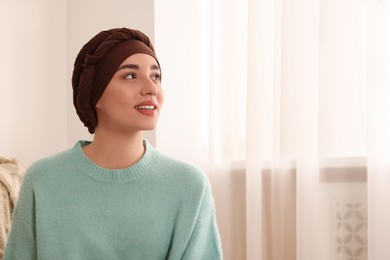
x=97, y=62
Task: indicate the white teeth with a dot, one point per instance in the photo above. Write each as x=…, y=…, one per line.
x=146, y=107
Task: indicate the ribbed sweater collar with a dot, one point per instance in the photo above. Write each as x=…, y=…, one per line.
x=88, y=167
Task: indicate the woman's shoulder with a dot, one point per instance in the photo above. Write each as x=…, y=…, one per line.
x=51, y=163
x=181, y=170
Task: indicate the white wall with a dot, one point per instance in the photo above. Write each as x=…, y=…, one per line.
x=39, y=42
x=32, y=78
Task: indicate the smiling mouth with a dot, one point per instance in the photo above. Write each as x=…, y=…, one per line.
x=146, y=107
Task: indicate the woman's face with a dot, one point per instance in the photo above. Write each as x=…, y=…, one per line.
x=133, y=98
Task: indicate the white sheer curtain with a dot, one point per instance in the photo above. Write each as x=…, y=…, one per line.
x=284, y=104
x=378, y=128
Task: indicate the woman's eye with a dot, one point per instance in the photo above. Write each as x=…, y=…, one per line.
x=130, y=76
x=157, y=77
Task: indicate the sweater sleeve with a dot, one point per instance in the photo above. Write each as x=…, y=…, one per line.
x=21, y=242
x=205, y=241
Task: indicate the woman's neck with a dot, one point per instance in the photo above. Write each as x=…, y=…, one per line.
x=113, y=151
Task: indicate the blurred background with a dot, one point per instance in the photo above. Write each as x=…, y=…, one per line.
x=283, y=103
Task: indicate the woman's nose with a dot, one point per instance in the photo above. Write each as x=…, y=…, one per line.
x=149, y=88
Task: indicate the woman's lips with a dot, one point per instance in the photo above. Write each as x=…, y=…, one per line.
x=147, y=107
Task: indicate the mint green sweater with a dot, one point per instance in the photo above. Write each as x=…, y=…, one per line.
x=70, y=208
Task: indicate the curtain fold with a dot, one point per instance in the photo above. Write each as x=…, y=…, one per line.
x=260, y=120
x=286, y=110
x=378, y=138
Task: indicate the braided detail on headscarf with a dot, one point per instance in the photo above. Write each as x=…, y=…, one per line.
x=85, y=92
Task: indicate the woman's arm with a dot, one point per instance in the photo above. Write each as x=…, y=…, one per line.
x=21, y=242
x=205, y=241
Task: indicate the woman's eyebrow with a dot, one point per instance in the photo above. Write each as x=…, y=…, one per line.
x=129, y=66
x=136, y=67
x=155, y=67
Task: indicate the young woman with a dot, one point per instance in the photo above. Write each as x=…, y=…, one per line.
x=115, y=197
